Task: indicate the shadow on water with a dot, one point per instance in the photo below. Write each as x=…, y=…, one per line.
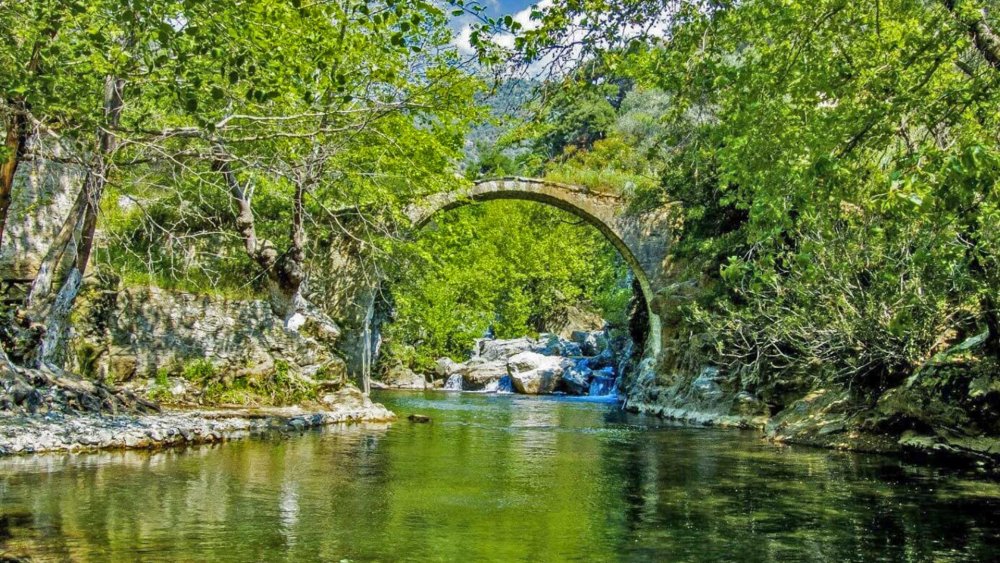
x=495, y=478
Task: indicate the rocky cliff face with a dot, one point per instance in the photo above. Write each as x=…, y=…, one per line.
x=43, y=193
x=122, y=334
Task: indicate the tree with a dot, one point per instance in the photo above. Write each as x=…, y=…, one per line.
x=846, y=155
x=305, y=110
x=340, y=95
x=105, y=45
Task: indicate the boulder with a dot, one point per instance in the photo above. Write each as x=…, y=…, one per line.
x=567, y=319
x=706, y=386
x=576, y=377
x=493, y=350
x=348, y=396
x=553, y=345
x=591, y=343
x=534, y=374
x=478, y=374
x=606, y=359
x=444, y=367
x=402, y=377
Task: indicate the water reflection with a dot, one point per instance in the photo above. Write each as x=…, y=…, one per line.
x=496, y=478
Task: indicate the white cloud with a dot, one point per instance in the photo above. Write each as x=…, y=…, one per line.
x=462, y=39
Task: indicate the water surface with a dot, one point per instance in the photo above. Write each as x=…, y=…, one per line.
x=495, y=478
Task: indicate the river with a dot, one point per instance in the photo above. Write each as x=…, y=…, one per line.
x=496, y=477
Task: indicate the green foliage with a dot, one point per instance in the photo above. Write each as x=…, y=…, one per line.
x=504, y=265
x=836, y=163
x=161, y=377
x=199, y=371
x=245, y=387
x=160, y=393
x=576, y=119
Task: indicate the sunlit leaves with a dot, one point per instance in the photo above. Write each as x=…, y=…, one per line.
x=504, y=265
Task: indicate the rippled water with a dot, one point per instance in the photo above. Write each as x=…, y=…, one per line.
x=495, y=478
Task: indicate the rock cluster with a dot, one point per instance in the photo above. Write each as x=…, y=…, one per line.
x=548, y=364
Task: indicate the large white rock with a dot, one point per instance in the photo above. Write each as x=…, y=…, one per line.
x=493, y=350
x=444, y=367
x=534, y=374
x=478, y=374
x=401, y=377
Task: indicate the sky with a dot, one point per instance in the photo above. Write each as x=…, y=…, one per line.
x=503, y=7
x=520, y=9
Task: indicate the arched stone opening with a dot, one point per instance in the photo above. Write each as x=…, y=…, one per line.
x=606, y=212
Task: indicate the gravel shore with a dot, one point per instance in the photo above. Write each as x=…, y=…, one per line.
x=53, y=432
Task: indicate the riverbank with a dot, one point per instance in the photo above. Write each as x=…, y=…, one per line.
x=829, y=419
x=59, y=432
x=47, y=409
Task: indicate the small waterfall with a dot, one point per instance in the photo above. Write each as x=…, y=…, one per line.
x=454, y=383
x=602, y=386
x=505, y=385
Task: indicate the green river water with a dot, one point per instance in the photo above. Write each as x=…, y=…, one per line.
x=495, y=478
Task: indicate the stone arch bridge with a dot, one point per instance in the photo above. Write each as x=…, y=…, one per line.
x=642, y=239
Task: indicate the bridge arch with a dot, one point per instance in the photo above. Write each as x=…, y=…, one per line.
x=605, y=211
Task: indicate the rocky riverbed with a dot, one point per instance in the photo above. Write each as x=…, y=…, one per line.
x=586, y=363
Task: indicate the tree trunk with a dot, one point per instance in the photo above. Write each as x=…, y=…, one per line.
x=81, y=225
x=285, y=272
x=992, y=318
x=14, y=144
x=289, y=272
x=983, y=37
